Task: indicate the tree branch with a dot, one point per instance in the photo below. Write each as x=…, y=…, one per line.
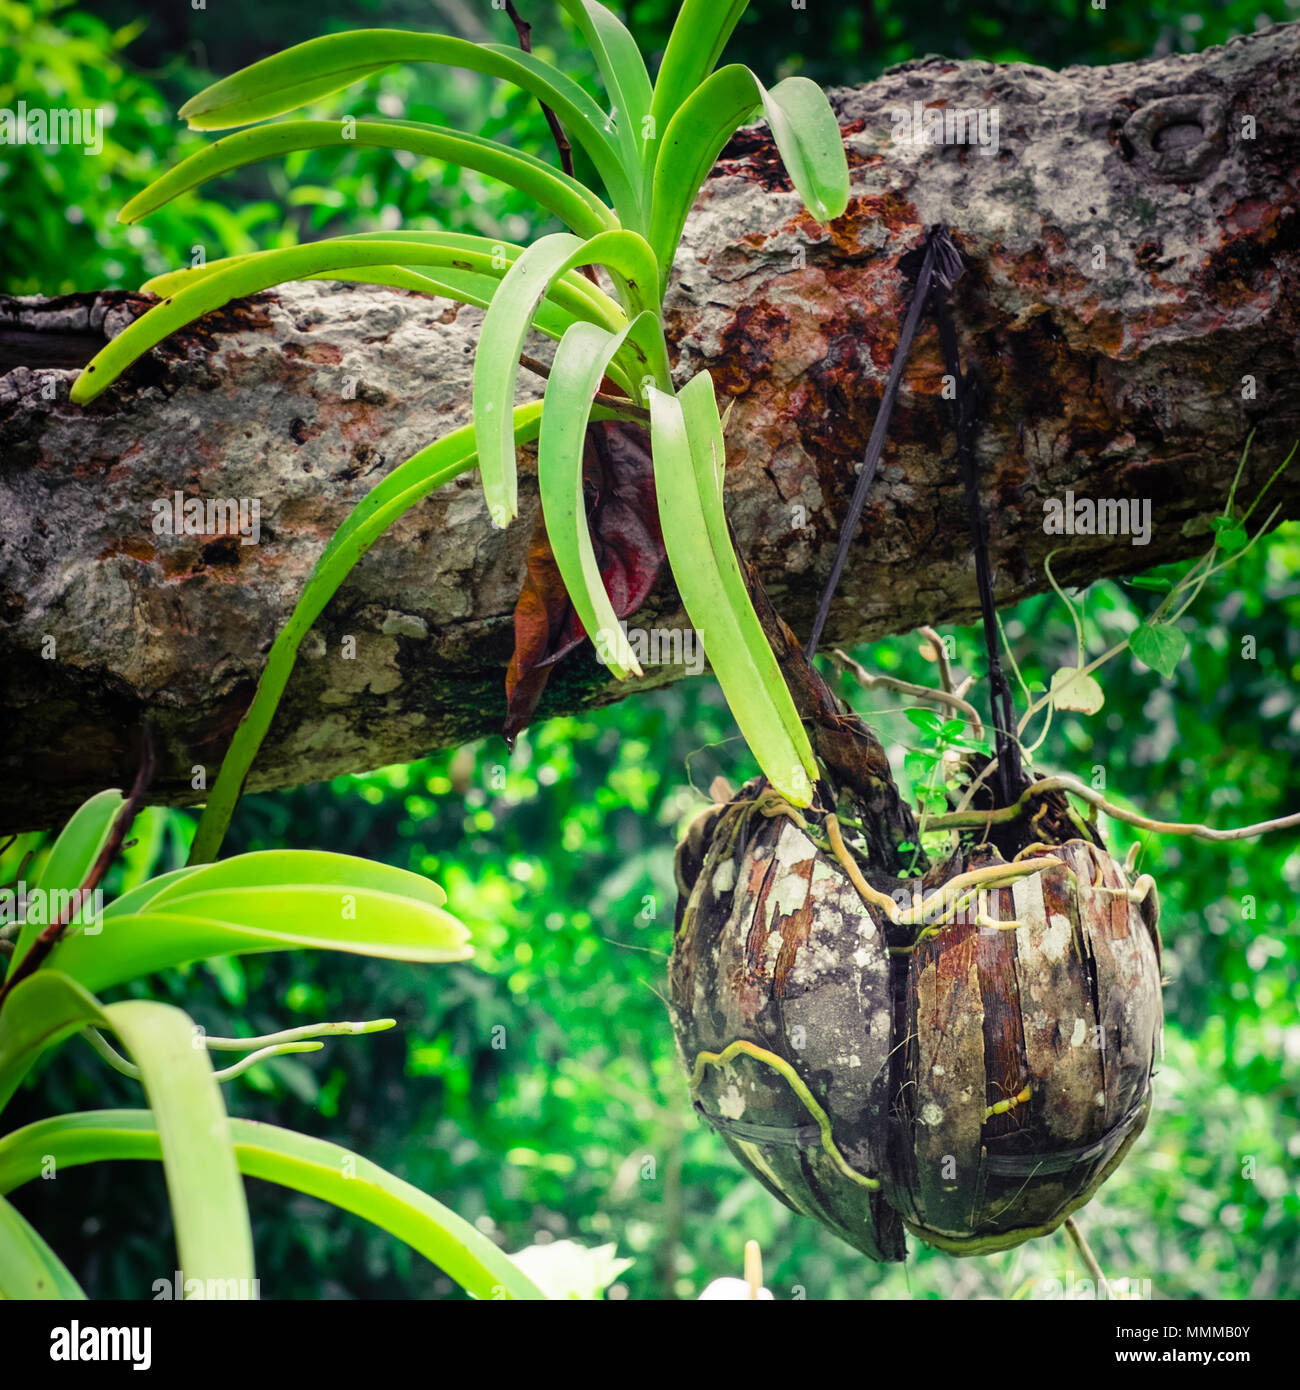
x=1131, y=298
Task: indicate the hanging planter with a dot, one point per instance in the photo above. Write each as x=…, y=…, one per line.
x=969, y=1060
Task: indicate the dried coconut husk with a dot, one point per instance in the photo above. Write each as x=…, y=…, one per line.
x=880, y=1068
x=975, y=1084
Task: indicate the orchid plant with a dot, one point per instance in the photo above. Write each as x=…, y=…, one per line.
x=652, y=149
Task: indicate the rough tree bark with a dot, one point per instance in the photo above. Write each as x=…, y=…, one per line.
x=1130, y=303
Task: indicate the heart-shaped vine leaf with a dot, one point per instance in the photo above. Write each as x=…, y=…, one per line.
x=1230, y=535
x=1160, y=646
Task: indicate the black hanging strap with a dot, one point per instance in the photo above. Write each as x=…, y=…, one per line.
x=941, y=267
x=871, y=459
x=1006, y=748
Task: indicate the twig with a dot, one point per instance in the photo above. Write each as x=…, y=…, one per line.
x=619, y=403
x=957, y=820
x=1089, y=1259
x=940, y=656
x=524, y=31
x=921, y=692
x=53, y=933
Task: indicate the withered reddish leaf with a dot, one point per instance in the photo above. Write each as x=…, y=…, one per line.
x=618, y=477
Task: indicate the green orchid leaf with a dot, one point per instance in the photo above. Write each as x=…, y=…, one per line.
x=244, y=921
x=573, y=203
x=320, y=67
x=80, y=842
x=71, y=859
x=700, y=33
x=503, y=254
x=264, y=269
x=138, y=897
x=41, y=1011
x=581, y=360
x=496, y=364
x=214, y=1239
x=569, y=289
x=303, y=1164
x=1072, y=690
x=279, y=868
x=29, y=1269
x=686, y=431
x=407, y=484
x=808, y=138
x=623, y=71
x=803, y=125
x=462, y=286
x=1159, y=645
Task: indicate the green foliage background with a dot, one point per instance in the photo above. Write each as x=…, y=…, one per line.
x=537, y=1092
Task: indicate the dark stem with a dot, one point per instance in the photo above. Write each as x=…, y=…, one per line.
x=557, y=130
x=53, y=933
x=871, y=459
x=1002, y=710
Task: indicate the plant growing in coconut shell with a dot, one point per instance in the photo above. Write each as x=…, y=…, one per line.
x=959, y=1042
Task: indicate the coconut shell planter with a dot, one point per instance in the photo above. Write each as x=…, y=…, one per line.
x=967, y=1057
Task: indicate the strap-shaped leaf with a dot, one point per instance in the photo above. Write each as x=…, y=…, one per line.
x=803, y=125
x=70, y=860
x=79, y=842
x=320, y=67
x=496, y=364
x=214, y=1239
x=504, y=254
x=581, y=360
x=29, y=1269
x=574, y=204
x=360, y=921
x=699, y=35
x=808, y=137
x=40, y=1012
x=686, y=433
x=137, y=899
x=406, y=485
x=463, y=286
x=278, y=868
x=623, y=71
x=266, y=268
x=311, y=1166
